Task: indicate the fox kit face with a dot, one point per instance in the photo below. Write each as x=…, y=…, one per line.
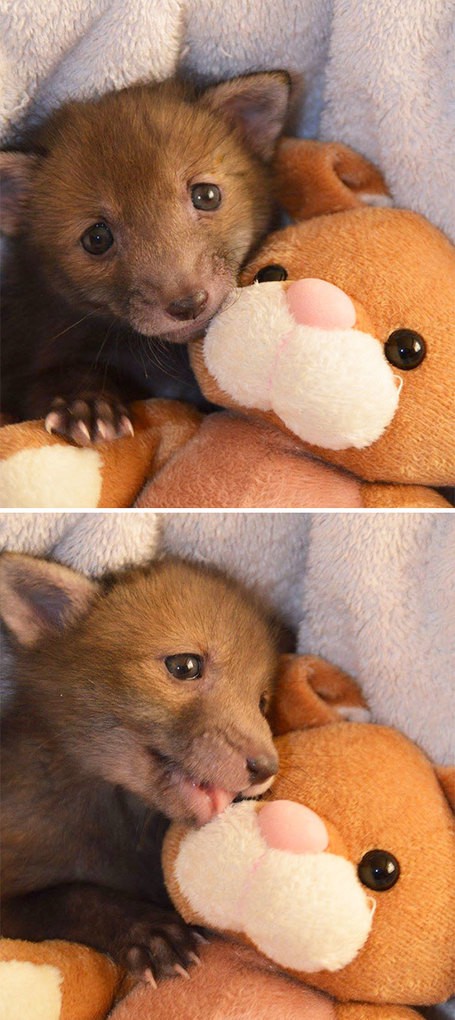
x=141, y=206
x=163, y=680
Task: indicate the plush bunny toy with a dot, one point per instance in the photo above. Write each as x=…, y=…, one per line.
x=335, y=895
x=338, y=349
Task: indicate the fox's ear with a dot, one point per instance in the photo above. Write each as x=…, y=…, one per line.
x=257, y=105
x=314, y=178
x=17, y=170
x=39, y=598
x=312, y=692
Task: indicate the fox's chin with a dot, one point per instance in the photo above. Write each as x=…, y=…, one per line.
x=180, y=334
x=185, y=335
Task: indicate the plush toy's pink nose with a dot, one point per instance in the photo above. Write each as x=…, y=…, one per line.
x=286, y=825
x=318, y=303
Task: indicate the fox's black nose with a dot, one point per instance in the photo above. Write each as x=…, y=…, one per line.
x=188, y=307
x=261, y=768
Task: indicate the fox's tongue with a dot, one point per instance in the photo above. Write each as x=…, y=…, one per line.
x=205, y=801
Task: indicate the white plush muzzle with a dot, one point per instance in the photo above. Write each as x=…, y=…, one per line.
x=305, y=911
x=332, y=387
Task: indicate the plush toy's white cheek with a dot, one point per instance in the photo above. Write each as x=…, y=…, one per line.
x=332, y=387
x=317, y=917
x=212, y=862
x=241, y=342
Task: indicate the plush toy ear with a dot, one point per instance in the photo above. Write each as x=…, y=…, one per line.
x=39, y=598
x=313, y=178
x=256, y=104
x=446, y=777
x=16, y=176
x=312, y=692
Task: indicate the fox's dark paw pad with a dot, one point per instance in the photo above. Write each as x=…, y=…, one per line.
x=89, y=419
x=153, y=951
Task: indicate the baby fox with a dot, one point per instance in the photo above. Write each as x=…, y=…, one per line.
x=135, y=701
x=128, y=218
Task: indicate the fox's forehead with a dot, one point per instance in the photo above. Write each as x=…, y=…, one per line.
x=125, y=134
x=181, y=606
x=128, y=171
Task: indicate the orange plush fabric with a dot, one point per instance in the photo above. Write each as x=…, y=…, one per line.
x=233, y=461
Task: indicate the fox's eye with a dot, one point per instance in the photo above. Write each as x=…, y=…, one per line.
x=405, y=349
x=206, y=197
x=184, y=666
x=263, y=704
x=97, y=239
x=379, y=870
x=270, y=273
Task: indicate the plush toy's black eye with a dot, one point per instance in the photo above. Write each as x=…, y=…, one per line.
x=270, y=273
x=405, y=349
x=378, y=870
x=184, y=666
x=206, y=197
x=97, y=239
